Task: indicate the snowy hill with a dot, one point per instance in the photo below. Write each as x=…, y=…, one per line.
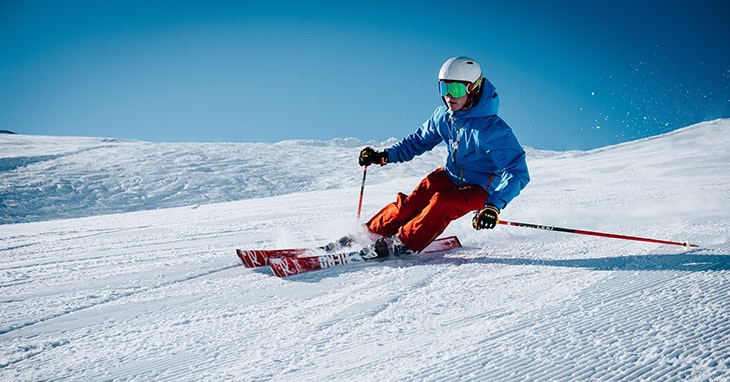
x=117, y=263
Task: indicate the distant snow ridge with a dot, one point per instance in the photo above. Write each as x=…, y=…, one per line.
x=45, y=178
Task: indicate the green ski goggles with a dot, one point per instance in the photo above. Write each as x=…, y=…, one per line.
x=455, y=89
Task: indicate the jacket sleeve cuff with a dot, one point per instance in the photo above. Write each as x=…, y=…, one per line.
x=499, y=206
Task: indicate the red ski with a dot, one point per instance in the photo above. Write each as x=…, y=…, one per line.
x=288, y=265
x=253, y=258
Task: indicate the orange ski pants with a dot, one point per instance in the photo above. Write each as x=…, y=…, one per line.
x=422, y=216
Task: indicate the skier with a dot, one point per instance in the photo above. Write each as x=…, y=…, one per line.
x=485, y=168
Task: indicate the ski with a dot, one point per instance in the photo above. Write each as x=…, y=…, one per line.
x=254, y=258
x=287, y=265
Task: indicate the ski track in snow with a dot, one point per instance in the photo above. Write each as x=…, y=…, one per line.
x=160, y=295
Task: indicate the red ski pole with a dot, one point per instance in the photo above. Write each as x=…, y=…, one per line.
x=685, y=244
x=362, y=191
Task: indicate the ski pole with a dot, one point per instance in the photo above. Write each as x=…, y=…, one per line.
x=362, y=191
x=685, y=244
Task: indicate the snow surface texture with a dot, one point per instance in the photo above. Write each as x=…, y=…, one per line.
x=157, y=293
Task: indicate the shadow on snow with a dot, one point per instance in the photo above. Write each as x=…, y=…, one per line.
x=691, y=261
x=686, y=261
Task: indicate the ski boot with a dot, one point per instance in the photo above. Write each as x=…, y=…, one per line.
x=385, y=247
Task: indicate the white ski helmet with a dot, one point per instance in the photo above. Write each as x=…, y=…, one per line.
x=460, y=69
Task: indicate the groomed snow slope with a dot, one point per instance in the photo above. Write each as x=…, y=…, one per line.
x=160, y=295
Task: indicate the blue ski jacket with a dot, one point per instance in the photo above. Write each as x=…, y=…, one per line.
x=483, y=151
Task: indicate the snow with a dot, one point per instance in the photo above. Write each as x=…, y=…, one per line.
x=117, y=262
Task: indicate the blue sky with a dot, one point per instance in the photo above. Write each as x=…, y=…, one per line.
x=577, y=75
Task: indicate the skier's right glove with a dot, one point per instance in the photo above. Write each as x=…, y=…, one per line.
x=369, y=156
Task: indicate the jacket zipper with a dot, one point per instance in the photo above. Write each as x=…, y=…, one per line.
x=455, y=145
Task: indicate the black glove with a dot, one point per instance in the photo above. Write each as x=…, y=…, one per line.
x=369, y=156
x=487, y=217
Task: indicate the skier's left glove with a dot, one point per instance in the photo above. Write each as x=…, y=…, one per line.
x=487, y=217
